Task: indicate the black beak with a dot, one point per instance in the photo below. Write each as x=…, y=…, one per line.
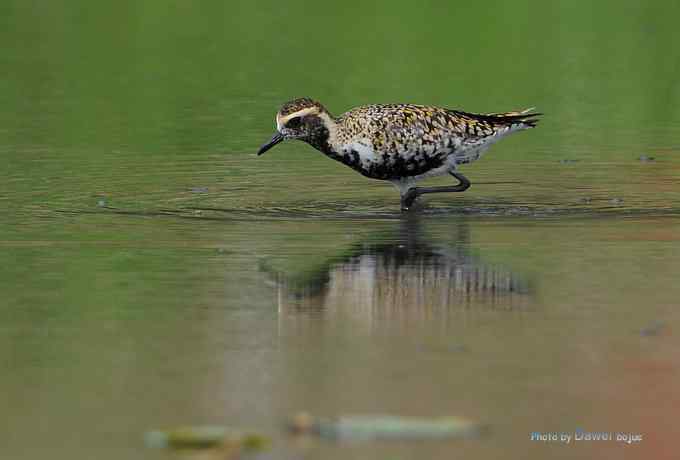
x=278, y=137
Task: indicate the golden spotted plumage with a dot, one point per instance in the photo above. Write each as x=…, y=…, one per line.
x=402, y=143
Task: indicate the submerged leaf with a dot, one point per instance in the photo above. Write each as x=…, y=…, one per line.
x=365, y=427
x=196, y=437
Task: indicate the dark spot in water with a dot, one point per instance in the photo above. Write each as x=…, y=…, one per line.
x=653, y=329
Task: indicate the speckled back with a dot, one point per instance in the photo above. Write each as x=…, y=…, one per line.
x=298, y=104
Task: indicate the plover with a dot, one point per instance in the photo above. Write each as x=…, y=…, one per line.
x=400, y=143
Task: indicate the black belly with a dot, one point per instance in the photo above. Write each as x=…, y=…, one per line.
x=388, y=167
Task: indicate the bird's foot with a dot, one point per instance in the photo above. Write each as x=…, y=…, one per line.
x=408, y=199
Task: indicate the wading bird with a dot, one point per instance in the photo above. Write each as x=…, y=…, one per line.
x=400, y=143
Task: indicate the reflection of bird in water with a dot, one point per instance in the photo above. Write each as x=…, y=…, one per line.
x=400, y=143
x=406, y=276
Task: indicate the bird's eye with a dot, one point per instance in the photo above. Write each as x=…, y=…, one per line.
x=294, y=123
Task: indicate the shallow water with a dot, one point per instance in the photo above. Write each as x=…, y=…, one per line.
x=155, y=272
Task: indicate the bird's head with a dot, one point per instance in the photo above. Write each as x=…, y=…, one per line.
x=303, y=119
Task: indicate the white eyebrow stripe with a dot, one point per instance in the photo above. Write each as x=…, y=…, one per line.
x=281, y=121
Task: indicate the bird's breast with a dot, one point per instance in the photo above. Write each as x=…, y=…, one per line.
x=385, y=165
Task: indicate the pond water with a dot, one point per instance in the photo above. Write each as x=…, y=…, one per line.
x=155, y=272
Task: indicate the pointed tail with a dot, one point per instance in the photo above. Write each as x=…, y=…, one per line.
x=526, y=118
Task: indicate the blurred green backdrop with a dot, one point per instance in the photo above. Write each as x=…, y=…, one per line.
x=133, y=94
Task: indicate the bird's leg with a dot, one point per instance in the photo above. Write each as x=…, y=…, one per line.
x=410, y=196
x=463, y=184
